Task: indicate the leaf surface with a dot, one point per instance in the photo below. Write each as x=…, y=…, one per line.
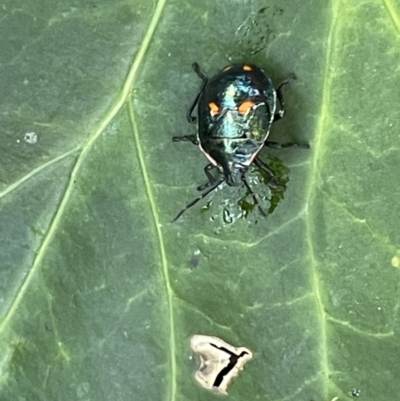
x=100, y=293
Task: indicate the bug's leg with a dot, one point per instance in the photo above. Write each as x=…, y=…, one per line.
x=199, y=72
x=260, y=164
x=253, y=195
x=276, y=145
x=272, y=182
x=279, y=93
x=203, y=76
x=194, y=201
x=211, y=179
x=186, y=138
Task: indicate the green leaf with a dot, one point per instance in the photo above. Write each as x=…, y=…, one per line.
x=100, y=293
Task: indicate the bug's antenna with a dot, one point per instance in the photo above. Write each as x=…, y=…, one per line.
x=194, y=201
x=253, y=195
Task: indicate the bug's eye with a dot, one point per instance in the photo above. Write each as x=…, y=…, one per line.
x=247, y=68
x=245, y=106
x=213, y=108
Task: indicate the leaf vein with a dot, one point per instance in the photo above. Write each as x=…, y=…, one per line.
x=235, y=242
x=318, y=145
x=301, y=388
x=360, y=331
x=187, y=305
x=164, y=263
x=394, y=17
x=383, y=239
x=35, y=171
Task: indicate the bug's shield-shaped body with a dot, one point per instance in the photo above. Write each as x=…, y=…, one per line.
x=236, y=110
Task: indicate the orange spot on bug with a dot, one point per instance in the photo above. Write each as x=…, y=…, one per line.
x=245, y=106
x=213, y=107
x=247, y=68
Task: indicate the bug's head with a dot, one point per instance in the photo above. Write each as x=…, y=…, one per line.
x=234, y=174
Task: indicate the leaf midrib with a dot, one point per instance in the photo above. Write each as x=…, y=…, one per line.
x=317, y=145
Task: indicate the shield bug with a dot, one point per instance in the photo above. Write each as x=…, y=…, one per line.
x=235, y=111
